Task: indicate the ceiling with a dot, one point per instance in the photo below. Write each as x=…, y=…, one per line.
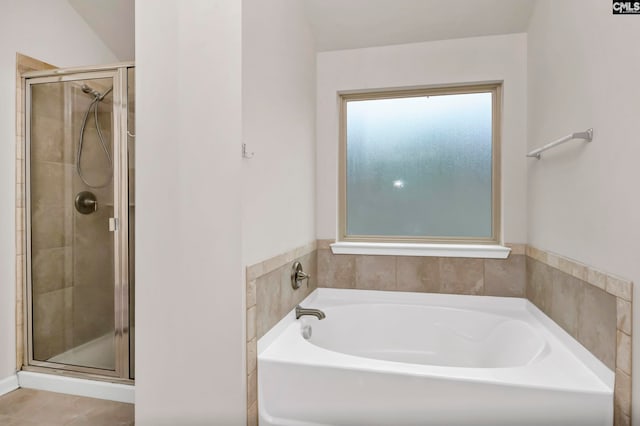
x=113, y=21
x=347, y=24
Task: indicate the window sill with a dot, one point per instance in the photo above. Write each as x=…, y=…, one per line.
x=435, y=250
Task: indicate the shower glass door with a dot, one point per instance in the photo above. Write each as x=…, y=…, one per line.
x=77, y=222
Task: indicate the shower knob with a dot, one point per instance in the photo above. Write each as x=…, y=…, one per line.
x=86, y=202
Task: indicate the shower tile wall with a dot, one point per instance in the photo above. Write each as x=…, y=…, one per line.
x=93, y=268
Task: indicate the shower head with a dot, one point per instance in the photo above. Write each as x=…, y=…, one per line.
x=93, y=92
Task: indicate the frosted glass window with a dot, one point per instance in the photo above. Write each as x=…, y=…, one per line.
x=420, y=166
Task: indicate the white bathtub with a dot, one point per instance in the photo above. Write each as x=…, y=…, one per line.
x=390, y=358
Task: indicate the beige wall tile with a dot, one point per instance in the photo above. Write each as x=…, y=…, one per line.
x=93, y=311
x=505, y=277
x=516, y=248
x=619, y=287
x=336, y=270
x=251, y=323
x=623, y=352
x=252, y=415
x=553, y=260
x=48, y=139
x=539, y=285
x=325, y=244
x=254, y=271
x=597, y=324
x=52, y=269
x=421, y=274
x=20, y=235
x=578, y=270
x=251, y=293
x=252, y=355
x=623, y=313
x=19, y=195
x=597, y=278
x=48, y=325
x=620, y=419
x=567, y=294
x=275, y=296
x=252, y=388
x=622, y=392
x=376, y=272
x=20, y=219
x=461, y=276
x=19, y=171
x=268, y=301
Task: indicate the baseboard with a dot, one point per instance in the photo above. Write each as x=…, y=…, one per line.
x=9, y=384
x=74, y=386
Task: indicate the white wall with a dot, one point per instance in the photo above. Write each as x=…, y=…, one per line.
x=189, y=312
x=422, y=64
x=583, y=68
x=278, y=124
x=49, y=30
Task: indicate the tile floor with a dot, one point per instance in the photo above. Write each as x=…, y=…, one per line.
x=29, y=407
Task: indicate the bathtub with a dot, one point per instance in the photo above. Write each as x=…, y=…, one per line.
x=391, y=358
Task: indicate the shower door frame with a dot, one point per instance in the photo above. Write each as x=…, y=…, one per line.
x=118, y=74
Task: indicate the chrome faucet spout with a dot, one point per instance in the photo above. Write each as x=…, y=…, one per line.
x=300, y=311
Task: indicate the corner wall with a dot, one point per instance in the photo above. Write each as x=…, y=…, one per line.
x=53, y=32
x=189, y=287
x=583, y=65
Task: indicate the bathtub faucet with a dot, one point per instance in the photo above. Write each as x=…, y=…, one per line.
x=300, y=311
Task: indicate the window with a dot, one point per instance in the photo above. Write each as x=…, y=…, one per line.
x=421, y=166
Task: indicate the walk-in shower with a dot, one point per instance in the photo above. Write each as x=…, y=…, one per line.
x=80, y=214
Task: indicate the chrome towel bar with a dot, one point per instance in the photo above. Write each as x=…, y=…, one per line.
x=586, y=135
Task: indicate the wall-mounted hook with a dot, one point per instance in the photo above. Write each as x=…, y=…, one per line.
x=245, y=154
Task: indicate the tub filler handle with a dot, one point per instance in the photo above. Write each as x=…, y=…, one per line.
x=298, y=275
x=300, y=312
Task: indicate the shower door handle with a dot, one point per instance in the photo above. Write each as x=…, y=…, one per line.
x=113, y=224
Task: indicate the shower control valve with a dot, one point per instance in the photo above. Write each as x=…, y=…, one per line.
x=86, y=202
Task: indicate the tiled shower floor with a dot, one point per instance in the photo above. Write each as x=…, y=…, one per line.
x=29, y=407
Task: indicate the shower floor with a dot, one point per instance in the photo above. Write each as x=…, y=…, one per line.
x=96, y=353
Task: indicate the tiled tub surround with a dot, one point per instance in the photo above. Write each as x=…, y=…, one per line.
x=269, y=297
x=594, y=307
x=489, y=277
